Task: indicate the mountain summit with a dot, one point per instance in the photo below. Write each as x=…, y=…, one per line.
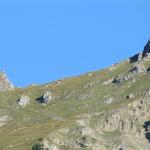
x=146, y=50
x=102, y=110
x=143, y=54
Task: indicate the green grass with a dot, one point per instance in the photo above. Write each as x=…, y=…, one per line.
x=37, y=121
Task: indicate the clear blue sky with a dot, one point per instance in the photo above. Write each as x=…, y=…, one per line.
x=44, y=40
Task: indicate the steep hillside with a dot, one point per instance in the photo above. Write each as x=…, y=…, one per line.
x=102, y=110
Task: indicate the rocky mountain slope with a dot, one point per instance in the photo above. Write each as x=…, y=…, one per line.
x=102, y=110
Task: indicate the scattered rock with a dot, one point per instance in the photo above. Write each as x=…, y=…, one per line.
x=3, y=120
x=86, y=96
x=108, y=100
x=23, y=101
x=116, y=121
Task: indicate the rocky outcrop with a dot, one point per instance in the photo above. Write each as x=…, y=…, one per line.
x=123, y=77
x=125, y=119
x=5, y=84
x=117, y=121
x=48, y=97
x=129, y=75
x=138, y=68
x=23, y=101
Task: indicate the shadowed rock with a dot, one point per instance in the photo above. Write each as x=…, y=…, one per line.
x=134, y=58
x=147, y=130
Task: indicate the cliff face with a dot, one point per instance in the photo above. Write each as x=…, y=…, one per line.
x=101, y=110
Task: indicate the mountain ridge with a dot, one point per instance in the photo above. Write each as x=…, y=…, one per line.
x=102, y=110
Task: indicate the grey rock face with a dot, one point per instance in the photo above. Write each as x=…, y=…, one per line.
x=125, y=120
x=118, y=122
x=129, y=75
x=5, y=84
x=47, y=97
x=23, y=101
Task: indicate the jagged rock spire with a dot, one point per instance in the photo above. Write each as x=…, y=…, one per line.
x=5, y=84
x=146, y=50
x=143, y=54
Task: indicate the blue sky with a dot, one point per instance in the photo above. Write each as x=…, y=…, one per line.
x=46, y=40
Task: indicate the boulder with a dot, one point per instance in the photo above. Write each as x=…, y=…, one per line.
x=108, y=100
x=23, y=101
x=118, y=79
x=131, y=95
x=47, y=97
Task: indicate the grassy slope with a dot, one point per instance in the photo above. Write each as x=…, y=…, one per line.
x=36, y=120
